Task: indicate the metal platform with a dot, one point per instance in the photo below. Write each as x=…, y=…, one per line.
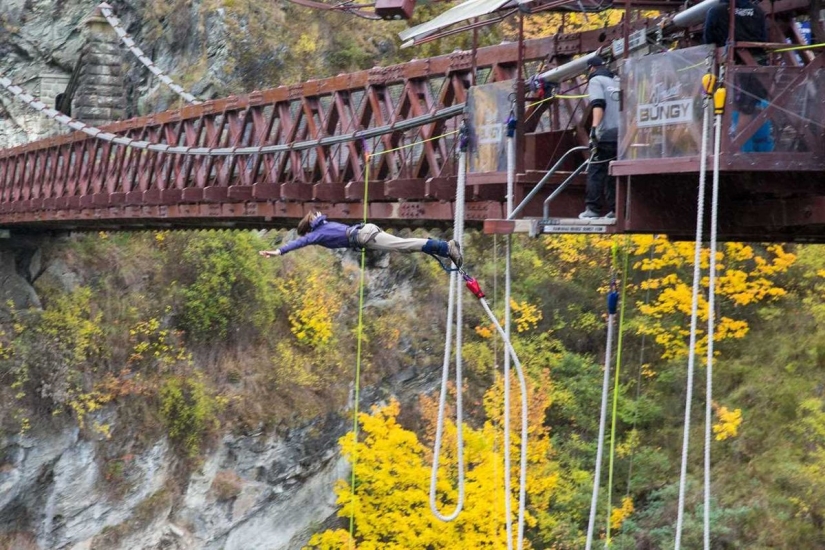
x=537, y=226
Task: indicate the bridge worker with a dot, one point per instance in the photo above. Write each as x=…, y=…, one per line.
x=750, y=95
x=604, y=93
x=315, y=228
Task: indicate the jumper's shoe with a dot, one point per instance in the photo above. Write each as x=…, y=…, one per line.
x=454, y=252
x=610, y=215
x=589, y=214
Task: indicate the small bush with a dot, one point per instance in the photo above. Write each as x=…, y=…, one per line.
x=189, y=412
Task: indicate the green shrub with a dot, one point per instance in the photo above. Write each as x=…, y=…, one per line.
x=189, y=412
x=227, y=290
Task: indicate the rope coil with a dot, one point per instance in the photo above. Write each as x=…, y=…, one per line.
x=454, y=310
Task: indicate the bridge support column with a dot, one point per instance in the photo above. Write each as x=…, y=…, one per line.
x=99, y=97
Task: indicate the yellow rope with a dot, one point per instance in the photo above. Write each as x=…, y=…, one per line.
x=689, y=67
x=616, y=383
x=560, y=96
x=805, y=47
x=375, y=154
x=359, y=333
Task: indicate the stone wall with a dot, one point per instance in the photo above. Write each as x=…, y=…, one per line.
x=99, y=97
x=23, y=124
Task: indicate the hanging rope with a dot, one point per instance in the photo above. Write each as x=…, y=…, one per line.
x=108, y=13
x=697, y=252
x=639, y=382
x=616, y=391
x=719, y=105
x=512, y=126
x=360, y=333
x=612, y=299
x=454, y=304
x=511, y=179
x=473, y=286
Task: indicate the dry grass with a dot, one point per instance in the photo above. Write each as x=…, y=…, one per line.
x=226, y=485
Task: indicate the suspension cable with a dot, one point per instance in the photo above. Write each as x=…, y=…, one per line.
x=108, y=13
x=97, y=133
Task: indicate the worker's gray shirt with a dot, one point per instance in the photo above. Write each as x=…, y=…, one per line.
x=604, y=91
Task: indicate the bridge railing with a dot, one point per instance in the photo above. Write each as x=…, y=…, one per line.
x=77, y=171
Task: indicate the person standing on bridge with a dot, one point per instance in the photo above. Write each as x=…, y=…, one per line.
x=315, y=228
x=751, y=95
x=603, y=91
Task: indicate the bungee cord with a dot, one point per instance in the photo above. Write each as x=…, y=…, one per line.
x=694, y=313
x=719, y=104
x=454, y=307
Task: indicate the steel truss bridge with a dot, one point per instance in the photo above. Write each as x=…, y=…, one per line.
x=75, y=182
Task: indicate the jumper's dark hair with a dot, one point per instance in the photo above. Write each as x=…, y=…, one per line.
x=306, y=222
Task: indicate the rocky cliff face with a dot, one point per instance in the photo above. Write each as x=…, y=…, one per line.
x=256, y=491
x=59, y=487
x=41, y=41
x=62, y=487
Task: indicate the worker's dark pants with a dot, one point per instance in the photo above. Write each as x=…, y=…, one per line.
x=599, y=184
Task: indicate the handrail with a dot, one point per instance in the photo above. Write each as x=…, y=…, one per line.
x=545, y=213
x=543, y=180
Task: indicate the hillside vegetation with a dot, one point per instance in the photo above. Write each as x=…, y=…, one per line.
x=192, y=334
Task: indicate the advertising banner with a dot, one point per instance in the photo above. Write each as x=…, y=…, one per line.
x=488, y=108
x=662, y=111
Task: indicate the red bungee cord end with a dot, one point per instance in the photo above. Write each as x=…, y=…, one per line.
x=473, y=286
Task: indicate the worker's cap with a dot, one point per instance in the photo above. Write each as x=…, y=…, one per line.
x=595, y=61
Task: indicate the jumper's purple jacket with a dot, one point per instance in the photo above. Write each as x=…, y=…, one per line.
x=323, y=233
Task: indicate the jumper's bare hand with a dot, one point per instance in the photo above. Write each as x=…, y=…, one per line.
x=269, y=253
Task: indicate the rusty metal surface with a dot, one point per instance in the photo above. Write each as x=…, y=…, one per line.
x=75, y=182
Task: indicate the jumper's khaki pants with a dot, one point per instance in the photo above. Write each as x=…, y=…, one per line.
x=370, y=236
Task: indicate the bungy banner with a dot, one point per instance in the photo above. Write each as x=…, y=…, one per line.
x=662, y=104
x=488, y=108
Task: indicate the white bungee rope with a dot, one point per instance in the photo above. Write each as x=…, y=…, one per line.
x=694, y=313
x=591, y=524
x=108, y=13
x=511, y=178
x=454, y=304
x=524, y=432
x=714, y=222
x=512, y=124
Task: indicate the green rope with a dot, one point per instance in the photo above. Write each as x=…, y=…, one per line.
x=616, y=391
x=358, y=361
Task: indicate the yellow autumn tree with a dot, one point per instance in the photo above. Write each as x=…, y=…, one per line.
x=661, y=279
x=745, y=275
x=391, y=506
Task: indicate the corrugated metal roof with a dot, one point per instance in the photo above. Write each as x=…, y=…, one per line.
x=462, y=12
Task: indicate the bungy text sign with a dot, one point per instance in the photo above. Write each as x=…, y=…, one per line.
x=662, y=114
x=488, y=108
